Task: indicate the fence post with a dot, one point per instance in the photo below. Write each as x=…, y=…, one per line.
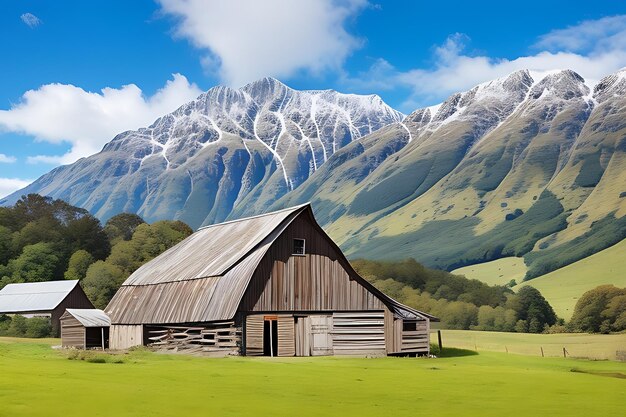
x=439, y=340
x=564, y=352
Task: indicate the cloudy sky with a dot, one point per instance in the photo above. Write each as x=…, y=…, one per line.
x=77, y=72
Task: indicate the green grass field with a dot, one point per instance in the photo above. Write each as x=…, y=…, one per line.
x=580, y=345
x=38, y=381
x=563, y=287
x=498, y=272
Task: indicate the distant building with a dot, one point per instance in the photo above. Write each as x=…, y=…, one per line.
x=85, y=328
x=274, y=284
x=43, y=299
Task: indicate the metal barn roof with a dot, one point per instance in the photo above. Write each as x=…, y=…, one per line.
x=34, y=296
x=211, y=251
x=204, y=277
x=91, y=317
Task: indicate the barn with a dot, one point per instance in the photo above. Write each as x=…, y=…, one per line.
x=274, y=285
x=85, y=328
x=43, y=299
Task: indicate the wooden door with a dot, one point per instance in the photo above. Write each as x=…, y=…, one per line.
x=254, y=335
x=286, y=337
x=321, y=339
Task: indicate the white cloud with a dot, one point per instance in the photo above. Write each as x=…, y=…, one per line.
x=249, y=39
x=607, y=33
x=30, y=20
x=63, y=113
x=593, y=49
x=6, y=159
x=9, y=185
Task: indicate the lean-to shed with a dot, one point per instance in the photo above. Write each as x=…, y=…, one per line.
x=43, y=299
x=85, y=328
x=274, y=284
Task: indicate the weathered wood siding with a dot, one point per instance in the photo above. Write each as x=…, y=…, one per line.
x=316, y=281
x=72, y=332
x=399, y=341
x=286, y=335
x=254, y=335
x=359, y=333
x=125, y=336
x=75, y=299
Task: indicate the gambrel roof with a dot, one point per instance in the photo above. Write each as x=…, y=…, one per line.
x=204, y=277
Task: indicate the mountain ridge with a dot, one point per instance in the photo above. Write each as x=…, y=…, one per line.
x=519, y=165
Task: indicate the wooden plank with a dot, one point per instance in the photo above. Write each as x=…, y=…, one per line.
x=254, y=335
x=286, y=335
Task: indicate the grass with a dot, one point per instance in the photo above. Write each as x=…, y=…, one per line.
x=38, y=381
x=498, y=272
x=580, y=345
x=563, y=287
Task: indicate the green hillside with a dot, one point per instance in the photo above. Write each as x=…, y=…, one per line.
x=498, y=272
x=563, y=286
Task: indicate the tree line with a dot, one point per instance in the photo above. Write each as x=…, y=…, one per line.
x=42, y=239
x=460, y=303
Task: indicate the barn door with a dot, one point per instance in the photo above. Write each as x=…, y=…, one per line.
x=286, y=337
x=254, y=335
x=321, y=340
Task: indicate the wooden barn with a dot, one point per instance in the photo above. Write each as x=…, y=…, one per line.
x=43, y=299
x=273, y=285
x=85, y=328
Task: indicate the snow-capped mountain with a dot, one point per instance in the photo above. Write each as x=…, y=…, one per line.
x=525, y=165
x=227, y=148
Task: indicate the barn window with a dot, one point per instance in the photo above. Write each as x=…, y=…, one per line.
x=298, y=247
x=409, y=326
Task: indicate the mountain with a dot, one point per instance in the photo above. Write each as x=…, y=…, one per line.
x=514, y=167
x=226, y=152
x=525, y=165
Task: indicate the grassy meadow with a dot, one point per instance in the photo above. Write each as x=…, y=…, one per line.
x=562, y=287
x=38, y=381
x=578, y=345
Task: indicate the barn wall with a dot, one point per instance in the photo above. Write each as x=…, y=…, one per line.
x=72, y=333
x=125, y=336
x=400, y=341
x=75, y=299
x=317, y=281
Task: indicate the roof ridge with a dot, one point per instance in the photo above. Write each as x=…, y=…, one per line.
x=293, y=208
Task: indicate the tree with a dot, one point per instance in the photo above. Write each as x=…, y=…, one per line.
x=5, y=244
x=78, y=265
x=122, y=226
x=594, y=311
x=37, y=263
x=101, y=282
x=87, y=233
x=532, y=308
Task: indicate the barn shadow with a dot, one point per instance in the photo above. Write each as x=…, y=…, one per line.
x=450, y=352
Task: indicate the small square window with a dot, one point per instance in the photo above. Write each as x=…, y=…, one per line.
x=409, y=326
x=298, y=246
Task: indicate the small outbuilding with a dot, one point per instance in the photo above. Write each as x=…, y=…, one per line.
x=43, y=299
x=274, y=284
x=85, y=329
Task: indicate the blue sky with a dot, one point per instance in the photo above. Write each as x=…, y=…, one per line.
x=77, y=72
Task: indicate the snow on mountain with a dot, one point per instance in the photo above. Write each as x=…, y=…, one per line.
x=229, y=146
